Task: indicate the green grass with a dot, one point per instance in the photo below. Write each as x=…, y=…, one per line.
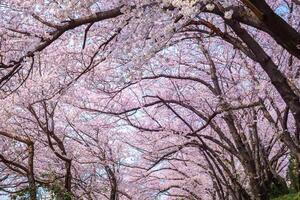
x=289, y=197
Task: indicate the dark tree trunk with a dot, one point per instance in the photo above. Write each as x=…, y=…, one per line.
x=113, y=184
x=31, y=179
x=284, y=34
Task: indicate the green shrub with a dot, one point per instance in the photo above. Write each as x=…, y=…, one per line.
x=289, y=197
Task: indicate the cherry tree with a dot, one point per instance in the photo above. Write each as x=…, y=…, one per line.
x=233, y=106
x=200, y=91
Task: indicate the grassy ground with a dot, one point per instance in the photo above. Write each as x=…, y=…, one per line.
x=289, y=197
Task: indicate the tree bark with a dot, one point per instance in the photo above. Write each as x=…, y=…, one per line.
x=283, y=33
x=31, y=179
x=113, y=184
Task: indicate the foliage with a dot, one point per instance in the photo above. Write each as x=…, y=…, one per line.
x=292, y=174
x=278, y=190
x=22, y=194
x=59, y=193
x=289, y=197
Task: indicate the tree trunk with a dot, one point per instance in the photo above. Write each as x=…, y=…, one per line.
x=284, y=34
x=31, y=179
x=113, y=184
